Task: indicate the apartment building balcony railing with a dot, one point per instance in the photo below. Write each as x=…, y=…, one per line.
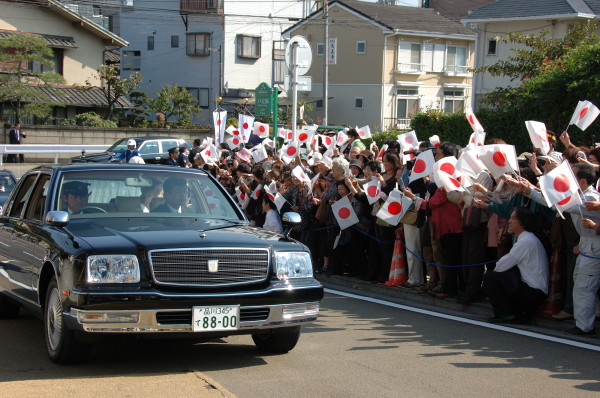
x=411, y=68
x=456, y=70
x=200, y=6
x=396, y=123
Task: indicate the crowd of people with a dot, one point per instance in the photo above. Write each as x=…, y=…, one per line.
x=494, y=239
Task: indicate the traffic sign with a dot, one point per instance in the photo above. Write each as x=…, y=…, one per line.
x=263, y=96
x=303, y=56
x=304, y=83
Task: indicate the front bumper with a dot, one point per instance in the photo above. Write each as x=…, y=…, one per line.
x=252, y=319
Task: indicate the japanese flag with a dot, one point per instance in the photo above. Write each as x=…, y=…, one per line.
x=327, y=141
x=408, y=142
x=391, y=211
x=341, y=138
x=279, y=201
x=499, y=159
x=560, y=188
x=538, y=135
x=257, y=191
x=234, y=142
x=382, y=151
x=282, y=133
x=245, y=123
x=423, y=166
x=472, y=119
x=210, y=154
x=464, y=180
x=344, y=213
x=231, y=130
x=468, y=163
x=305, y=137
x=373, y=190
x=364, y=132
x=268, y=142
x=476, y=139
x=300, y=174
x=219, y=120
x=242, y=198
x=447, y=181
x=584, y=114
x=290, y=151
x=261, y=129
x=446, y=165
x=301, y=112
x=259, y=153
x=271, y=190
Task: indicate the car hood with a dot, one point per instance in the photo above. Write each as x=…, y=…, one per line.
x=103, y=237
x=92, y=157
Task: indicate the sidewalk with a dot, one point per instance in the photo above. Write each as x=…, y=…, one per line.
x=480, y=310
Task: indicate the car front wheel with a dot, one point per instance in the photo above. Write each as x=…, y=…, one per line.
x=63, y=346
x=278, y=341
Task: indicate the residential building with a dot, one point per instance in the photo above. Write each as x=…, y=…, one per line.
x=456, y=9
x=495, y=20
x=79, y=47
x=387, y=62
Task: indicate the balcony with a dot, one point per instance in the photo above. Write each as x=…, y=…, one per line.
x=410, y=68
x=457, y=70
x=397, y=124
x=199, y=6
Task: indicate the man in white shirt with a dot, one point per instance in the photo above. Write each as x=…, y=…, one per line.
x=519, y=283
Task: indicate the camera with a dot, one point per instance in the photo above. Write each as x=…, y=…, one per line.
x=417, y=152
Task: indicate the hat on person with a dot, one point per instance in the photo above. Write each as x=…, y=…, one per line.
x=367, y=154
x=356, y=163
x=136, y=160
x=548, y=159
x=131, y=142
x=76, y=188
x=173, y=150
x=524, y=156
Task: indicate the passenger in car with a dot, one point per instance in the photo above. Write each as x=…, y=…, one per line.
x=150, y=193
x=176, y=195
x=75, y=196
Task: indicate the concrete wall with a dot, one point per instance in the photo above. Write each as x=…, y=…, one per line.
x=74, y=135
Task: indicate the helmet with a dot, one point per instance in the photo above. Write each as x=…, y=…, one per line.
x=131, y=142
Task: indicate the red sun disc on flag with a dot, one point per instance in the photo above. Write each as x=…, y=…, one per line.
x=394, y=208
x=212, y=206
x=235, y=141
x=291, y=151
x=303, y=176
x=328, y=141
x=419, y=166
x=564, y=201
x=208, y=192
x=583, y=112
x=242, y=196
x=499, y=159
x=235, y=132
x=561, y=183
x=344, y=213
x=270, y=195
x=447, y=168
x=218, y=122
x=245, y=126
x=303, y=137
x=257, y=193
x=473, y=140
x=408, y=140
x=261, y=129
x=453, y=181
x=209, y=154
x=361, y=133
x=340, y=140
x=373, y=191
x=471, y=120
x=290, y=135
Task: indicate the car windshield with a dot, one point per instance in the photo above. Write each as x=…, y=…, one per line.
x=143, y=194
x=7, y=182
x=119, y=146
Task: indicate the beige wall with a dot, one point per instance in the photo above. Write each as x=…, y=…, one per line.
x=79, y=63
x=74, y=135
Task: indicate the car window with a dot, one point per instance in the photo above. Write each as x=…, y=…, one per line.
x=20, y=199
x=37, y=199
x=168, y=144
x=149, y=147
x=119, y=146
x=7, y=183
x=150, y=193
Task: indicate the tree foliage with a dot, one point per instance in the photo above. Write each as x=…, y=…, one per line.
x=114, y=87
x=175, y=101
x=17, y=82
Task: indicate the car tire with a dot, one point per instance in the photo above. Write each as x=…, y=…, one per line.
x=61, y=342
x=8, y=308
x=277, y=341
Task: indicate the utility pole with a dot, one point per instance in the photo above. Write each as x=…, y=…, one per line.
x=326, y=64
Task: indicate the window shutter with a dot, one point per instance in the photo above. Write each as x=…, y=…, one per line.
x=428, y=57
x=438, y=57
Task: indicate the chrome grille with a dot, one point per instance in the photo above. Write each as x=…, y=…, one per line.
x=190, y=267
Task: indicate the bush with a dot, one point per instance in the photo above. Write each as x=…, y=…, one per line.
x=92, y=119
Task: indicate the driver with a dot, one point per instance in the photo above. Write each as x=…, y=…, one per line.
x=175, y=192
x=75, y=196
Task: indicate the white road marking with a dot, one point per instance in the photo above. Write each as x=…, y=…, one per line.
x=469, y=321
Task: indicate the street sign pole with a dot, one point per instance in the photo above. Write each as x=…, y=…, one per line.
x=294, y=89
x=275, y=105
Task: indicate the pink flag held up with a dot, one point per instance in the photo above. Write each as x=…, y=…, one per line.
x=364, y=132
x=344, y=213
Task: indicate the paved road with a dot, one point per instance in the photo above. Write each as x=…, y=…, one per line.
x=356, y=349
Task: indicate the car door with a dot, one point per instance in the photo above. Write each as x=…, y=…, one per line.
x=166, y=145
x=15, y=268
x=150, y=151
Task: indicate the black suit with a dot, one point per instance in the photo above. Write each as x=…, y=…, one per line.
x=164, y=208
x=14, y=138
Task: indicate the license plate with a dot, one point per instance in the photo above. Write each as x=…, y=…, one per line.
x=215, y=318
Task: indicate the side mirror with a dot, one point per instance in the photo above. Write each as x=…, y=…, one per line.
x=57, y=218
x=289, y=220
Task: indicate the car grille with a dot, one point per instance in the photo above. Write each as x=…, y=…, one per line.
x=190, y=267
x=185, y=317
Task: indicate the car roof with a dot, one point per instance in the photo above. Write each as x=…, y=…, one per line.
x=115, y=166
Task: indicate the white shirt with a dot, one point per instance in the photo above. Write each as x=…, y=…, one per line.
x=273, y=222
x=529, y=255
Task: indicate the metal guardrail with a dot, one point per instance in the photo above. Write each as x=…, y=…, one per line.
x=55, y=149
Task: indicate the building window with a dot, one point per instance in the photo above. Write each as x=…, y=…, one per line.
x=456, y=60
x=174, y=41
x=131, y=60
x=320, y=49
x=408, y=91
x=197, y=43
x=409, y=57
x=358, y=102
x=454, y=101
x=97, y=11
x=361, y=47
x=56, y=66
x=406, y=108
x=492, y=47
x=248, y=46
x=201, y=95
x=150, y=43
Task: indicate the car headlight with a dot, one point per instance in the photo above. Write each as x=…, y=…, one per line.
x=293, y=265
x=119, y=268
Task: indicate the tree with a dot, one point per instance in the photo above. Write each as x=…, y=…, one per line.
x=114, y=87
x=18, y=53
x=173, y=100
x=139, y=112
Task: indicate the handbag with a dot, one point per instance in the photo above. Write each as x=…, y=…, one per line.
x=471, y=218
x=322, y=214
x=410, y=217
